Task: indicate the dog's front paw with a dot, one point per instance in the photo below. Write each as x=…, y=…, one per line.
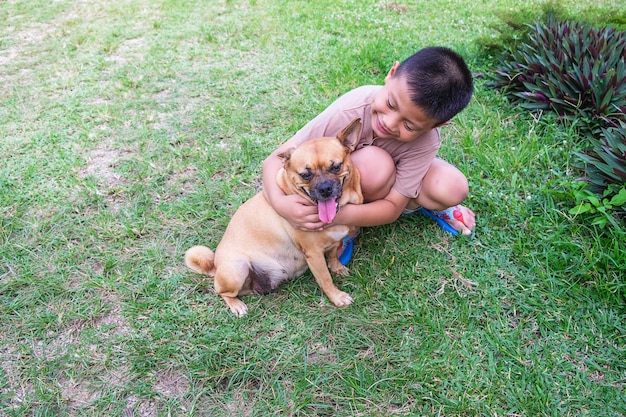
x=342, y=299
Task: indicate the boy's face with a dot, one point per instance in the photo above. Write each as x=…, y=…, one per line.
x=394, y=116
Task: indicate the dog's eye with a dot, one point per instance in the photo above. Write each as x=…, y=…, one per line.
x=306, y=175
x=335, y=168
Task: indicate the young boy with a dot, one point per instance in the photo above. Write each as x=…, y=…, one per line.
x=397, y=149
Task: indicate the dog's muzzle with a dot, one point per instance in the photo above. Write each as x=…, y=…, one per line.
x=326, y=194
x=325, y=189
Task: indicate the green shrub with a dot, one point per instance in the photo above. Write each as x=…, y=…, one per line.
x=606, y=159
x=579, y=72
x=571, y=68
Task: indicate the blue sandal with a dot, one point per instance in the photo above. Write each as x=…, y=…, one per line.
x=440, y=216
x=348, y=249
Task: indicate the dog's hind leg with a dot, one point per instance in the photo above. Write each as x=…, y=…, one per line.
x=231, y=280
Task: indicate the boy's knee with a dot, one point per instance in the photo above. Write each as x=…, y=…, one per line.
x=458, y=186
x=378, y=172
x=444, y=186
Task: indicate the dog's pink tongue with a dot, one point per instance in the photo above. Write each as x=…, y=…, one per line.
x=327, y=210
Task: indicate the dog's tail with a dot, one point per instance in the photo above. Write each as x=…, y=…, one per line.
x=200, y=259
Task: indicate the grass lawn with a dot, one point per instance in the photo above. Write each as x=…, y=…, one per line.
x=131, y=130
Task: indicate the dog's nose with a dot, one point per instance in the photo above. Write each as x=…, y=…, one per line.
x=325, y=189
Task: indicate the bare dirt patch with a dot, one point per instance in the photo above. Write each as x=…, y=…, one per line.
x=100, y=164
x=400, y=8
x=18, y=388
x=137, y=408
x=171, y=384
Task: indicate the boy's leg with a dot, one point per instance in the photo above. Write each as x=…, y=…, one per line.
x=378, y=172
x=444, y=186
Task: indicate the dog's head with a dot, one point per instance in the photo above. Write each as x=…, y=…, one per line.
x=321, y=170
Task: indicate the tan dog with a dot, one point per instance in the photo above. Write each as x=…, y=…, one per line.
x=260, y=250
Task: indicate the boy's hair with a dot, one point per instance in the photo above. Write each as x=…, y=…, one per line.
x=439, y=82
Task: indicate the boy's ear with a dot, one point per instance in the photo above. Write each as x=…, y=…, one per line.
x=392, y=71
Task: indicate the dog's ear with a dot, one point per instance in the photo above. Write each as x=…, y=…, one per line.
x=286, y=154
x=349, y=136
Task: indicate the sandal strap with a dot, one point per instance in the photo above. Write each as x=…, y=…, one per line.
x=451, y=213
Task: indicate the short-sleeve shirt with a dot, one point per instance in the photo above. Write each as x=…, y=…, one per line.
x=412, y=159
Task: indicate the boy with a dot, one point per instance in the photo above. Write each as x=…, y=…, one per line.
x=396, y=154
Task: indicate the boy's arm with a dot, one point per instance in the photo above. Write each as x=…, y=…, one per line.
x=375, y=213
x=298, y=211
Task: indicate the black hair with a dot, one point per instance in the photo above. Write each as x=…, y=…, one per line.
x=439, y=82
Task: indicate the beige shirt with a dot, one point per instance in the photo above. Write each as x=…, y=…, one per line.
x=412, y=159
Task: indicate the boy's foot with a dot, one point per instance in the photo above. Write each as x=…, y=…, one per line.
x=454, y=220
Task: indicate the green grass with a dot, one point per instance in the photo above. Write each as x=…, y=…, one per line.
x=131, y=130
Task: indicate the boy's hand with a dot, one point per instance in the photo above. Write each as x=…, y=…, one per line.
x=299, y=212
